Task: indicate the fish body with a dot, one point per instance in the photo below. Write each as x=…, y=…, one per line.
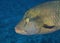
x=41, y=19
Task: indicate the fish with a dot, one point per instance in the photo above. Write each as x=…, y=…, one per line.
x=40, y=19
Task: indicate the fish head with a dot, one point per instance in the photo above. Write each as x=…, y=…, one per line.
x=41, y=19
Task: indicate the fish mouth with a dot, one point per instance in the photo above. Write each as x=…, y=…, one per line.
x=20, y=31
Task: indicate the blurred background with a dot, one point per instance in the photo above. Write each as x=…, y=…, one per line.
x=11, y=12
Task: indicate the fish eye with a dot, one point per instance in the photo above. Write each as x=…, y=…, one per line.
x=27, y=20
x=49, y=27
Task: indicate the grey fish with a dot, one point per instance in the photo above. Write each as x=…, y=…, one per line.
x=41, y=19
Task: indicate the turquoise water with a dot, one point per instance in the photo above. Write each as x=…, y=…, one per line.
x=11, y=12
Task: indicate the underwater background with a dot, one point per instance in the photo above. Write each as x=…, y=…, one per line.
x=11, y=12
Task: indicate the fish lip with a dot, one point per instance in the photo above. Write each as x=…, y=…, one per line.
x=20, y=31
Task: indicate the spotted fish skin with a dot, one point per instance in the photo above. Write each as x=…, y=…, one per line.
x=41, y=19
